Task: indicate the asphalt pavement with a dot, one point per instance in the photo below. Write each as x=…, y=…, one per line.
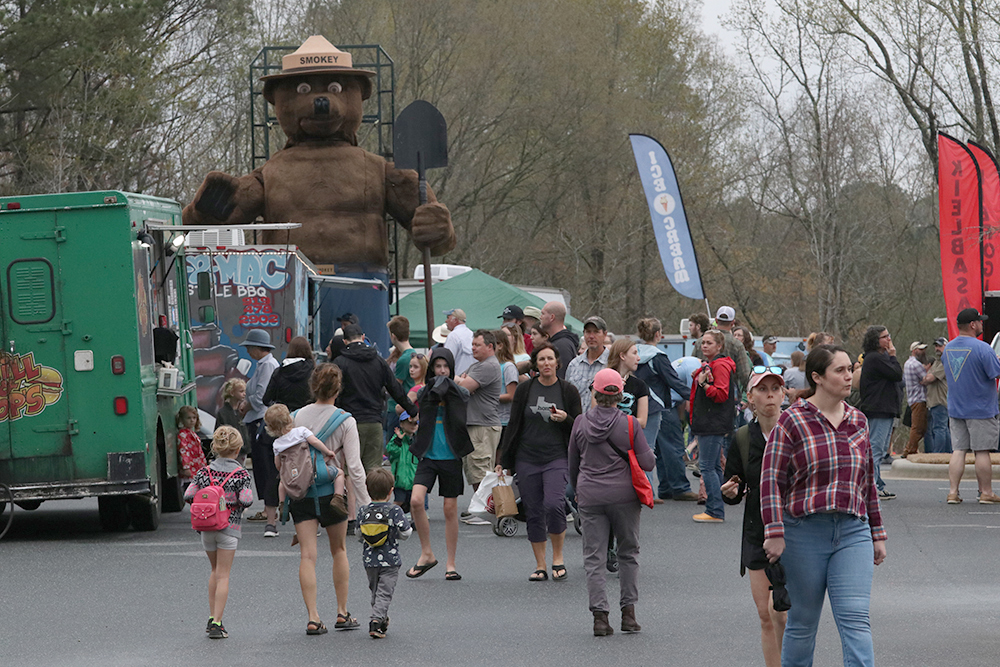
x=73, y=595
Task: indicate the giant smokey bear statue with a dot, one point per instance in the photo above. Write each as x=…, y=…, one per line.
x=338, y=191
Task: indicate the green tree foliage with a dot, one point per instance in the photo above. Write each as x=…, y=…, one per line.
x=106, y=95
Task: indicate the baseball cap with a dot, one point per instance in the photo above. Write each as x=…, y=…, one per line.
x=941, y=341
x=597, y=322
x=725, y=314
x=512, y=312
x=768, y=371
x=533, y=311
x=770, y=339
x=970, y=315
x=457, y=312
x=608, y=381
x=917, y=345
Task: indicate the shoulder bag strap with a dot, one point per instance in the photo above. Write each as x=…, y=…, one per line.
x=630, y=436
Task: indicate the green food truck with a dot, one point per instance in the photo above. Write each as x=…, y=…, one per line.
x=88, y=281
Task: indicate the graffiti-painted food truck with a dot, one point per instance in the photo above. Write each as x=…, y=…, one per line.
x=274, y=288
x=87, y=282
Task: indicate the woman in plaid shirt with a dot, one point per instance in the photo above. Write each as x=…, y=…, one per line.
x=820, y=508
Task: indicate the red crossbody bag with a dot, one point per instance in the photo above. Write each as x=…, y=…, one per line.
x=643, y=489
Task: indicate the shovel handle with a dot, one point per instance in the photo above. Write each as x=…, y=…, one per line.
x=428, y=291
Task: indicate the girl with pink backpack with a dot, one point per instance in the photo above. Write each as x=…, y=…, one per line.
x=218, y=495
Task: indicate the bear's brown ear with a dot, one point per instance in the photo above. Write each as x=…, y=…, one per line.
x=366, y=87
x=269, y=91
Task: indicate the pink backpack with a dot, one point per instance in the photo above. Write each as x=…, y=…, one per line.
x=208, y=509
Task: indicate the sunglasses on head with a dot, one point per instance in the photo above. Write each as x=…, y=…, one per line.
x=757, y=370
x=418, y=356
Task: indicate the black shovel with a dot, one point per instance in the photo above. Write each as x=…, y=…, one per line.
x=420, y=141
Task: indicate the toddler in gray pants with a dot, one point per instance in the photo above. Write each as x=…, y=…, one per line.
x=380, y=525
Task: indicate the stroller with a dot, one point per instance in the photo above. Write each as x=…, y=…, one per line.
x=508, y=526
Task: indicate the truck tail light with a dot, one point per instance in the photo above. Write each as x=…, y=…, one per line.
x=288, y=334
x=121, y=405
x=13, y=206
x=118, y=364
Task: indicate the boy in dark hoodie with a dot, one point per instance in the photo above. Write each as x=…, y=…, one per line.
x=441, y=441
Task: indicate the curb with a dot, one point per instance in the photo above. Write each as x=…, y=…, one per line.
x=903, y=469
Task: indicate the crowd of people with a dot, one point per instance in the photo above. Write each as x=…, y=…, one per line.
x=800, y=442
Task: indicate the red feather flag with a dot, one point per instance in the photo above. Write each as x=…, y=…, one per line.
x=959, y=211
x=990, y=186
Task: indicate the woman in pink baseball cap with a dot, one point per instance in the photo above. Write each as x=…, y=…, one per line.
x=603, y=481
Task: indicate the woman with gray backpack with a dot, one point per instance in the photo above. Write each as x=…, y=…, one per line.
x=339, y=431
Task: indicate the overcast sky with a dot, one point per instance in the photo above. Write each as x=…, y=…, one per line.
x=712, y=11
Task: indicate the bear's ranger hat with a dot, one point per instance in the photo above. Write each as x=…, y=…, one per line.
x=318, y=56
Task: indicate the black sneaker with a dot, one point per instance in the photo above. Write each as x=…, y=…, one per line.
x=217, y=631
x=886, y=495
x=350, y=526
x=208, y=626
x=612, y=560
x=375, y=630
x=385, y=625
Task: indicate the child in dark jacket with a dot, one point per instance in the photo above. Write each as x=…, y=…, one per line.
x=220, y=545
x=380, y=525
x=442, y=439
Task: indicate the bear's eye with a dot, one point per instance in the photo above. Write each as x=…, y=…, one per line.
x=335, y=87
x=304, y=89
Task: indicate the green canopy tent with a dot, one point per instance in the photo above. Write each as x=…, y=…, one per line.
x=481, y=296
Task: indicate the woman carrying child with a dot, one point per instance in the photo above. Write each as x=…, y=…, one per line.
x=220, y=545
x=765, y=391
x=325, y=384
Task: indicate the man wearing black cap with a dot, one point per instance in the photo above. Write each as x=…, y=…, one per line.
x=514, y=314
x=938, y=437
x=971, y=367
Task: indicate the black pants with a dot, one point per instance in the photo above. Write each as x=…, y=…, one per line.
x=265, y=475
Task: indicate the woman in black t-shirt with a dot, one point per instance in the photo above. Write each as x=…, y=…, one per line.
x=535, y=445
x=624, y=358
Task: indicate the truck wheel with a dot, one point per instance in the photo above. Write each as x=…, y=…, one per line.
x=145, y=510
x=113, y=512
x=171, y=493
x=28, y=504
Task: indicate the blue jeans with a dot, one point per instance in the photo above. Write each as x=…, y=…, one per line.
x=828, y=554
x=650, y=431
x=670, y=456
x=879, y=433
x=710, y=464
x=938, y=430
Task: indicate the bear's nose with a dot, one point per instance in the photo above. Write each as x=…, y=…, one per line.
x=321, y=106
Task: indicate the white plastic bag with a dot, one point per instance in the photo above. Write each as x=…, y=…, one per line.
x=478, y=503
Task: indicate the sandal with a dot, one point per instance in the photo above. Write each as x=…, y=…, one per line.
x=538, y=575
x=558, y=572
x=418, y=569
x=346, y=622
x=316, y=628
x=451, y=575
